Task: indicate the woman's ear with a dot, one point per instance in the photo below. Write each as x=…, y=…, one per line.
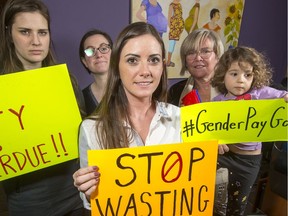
x=83, y=60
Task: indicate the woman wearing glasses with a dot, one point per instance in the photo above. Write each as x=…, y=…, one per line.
x=94, y=52
x=199, y=52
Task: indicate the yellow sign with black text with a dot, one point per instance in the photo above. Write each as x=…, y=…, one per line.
x=159, y=180
x=235, y=121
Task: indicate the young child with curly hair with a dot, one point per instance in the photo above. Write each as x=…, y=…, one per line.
x=242, y=73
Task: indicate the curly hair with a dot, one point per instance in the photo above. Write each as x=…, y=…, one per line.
x=262, y=71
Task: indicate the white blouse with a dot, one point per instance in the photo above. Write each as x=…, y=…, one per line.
x=165, y=128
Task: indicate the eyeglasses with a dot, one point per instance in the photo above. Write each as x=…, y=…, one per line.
x=91, y=51
x=203, y=53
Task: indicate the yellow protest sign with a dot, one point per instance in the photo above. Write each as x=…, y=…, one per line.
x=160, y=180
x=39, y=120
x=235, y=121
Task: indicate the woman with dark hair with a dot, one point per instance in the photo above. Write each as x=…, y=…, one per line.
x=95, y=51
x=133, y=111
x=214, y=18
x=26, y=44
x=10, y=59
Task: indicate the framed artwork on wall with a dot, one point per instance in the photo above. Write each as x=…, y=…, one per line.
x=175, y=19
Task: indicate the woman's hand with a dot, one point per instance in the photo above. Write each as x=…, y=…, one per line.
x=86, y=180
x=222, y=149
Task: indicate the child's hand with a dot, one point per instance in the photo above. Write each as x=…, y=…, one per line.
x=286, y=97
x=222, y=149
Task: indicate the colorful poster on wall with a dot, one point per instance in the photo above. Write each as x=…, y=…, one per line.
x=165, y=180
x=174, y=19
x=39, y=120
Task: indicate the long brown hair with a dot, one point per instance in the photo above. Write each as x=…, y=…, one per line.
x=9, y=62
x=113, y=111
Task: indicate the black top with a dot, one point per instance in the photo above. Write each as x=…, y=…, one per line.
x=47, y=192
x=90, y=101
x=175, y=91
